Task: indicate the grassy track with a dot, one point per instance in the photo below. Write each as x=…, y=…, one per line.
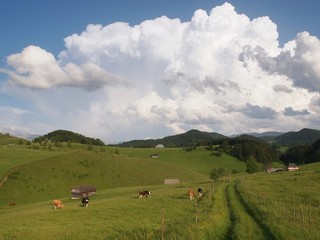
x=288, y=202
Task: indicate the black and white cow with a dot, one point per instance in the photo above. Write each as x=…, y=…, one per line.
x=200, y=192
x=85, y=201
x=144, y=194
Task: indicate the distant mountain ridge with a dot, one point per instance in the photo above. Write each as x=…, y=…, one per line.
x=195, y=137
x=190, y=138
x=187, y=139
x=304, y=136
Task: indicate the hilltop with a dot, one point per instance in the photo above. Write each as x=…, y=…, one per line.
x=304, y=136
x=65, y=136
x=6, y=139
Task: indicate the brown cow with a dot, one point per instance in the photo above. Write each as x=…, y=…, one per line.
x=57, y=204
x=191, y=194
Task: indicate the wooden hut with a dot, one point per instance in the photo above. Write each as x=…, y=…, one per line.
x=83, y=190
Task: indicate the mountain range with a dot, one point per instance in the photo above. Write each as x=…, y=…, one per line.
x=192, y=138
x=196, y=137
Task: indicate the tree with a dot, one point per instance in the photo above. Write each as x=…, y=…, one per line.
x=216, y=173
x=252, y=165
x=90, y=148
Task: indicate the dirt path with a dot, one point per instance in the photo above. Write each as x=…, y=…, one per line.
x=244, y=223
x=6, y=177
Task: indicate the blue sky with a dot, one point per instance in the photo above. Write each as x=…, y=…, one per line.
x=166, y=67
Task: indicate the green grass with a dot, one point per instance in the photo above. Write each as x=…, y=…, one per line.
x=283, y=205
x=54, y=177
x=112, y=214
x=199, y=159
x=288, y=202
x=16, y=155
x=6, y=139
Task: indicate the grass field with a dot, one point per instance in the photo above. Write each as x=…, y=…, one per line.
x=282, y=205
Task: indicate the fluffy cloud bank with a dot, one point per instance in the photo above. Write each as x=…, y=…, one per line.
x=219, y=72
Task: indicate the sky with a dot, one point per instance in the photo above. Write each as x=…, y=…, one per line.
x=121, y=70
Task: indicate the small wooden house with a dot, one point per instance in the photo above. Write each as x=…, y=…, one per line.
x=292, y=167
x=83, y=190
x=154, y=155
x=171, y=181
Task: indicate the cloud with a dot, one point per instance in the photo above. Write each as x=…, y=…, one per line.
x=258, y=112
x=282, y=88
x=290, y=112
x=36, y=68
x=299, y=60
x=220, y=71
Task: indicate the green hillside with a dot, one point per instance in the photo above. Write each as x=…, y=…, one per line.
x=188, y=139
x=304, y=136
x=6, y=139
x=68, y=136
x=238, y=205
x=260, y=206
x=54, y=177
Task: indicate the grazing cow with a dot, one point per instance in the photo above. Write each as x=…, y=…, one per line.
x=57, y=204
x=191, y=194
x=200, y=192
x=144, y=194
x=85, y=201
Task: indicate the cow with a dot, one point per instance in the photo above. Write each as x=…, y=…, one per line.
x=144, y=194
x=12, y=204
x=57, y=204
x=200, y=192
x=85, y=201
x=191, y=194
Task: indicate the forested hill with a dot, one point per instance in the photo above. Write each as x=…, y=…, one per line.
x=304, y=136
x=65, y=136
x=188, y=139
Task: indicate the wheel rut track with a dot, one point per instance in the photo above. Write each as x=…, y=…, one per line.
x=233, y=218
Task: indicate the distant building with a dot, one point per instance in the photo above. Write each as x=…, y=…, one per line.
x=160, y=146
x=292, y=167
x=273, y=170
x=83, y=190
x=171, y=181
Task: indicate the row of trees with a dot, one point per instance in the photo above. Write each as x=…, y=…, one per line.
x=302, y=154
x=253, y=152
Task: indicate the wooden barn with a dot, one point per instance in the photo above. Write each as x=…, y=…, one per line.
x=171, y=181
x=292, y=167
x=83, y=190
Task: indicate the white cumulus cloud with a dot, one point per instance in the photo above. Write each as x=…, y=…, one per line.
x=221, y=71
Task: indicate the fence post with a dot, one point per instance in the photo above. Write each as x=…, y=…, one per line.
x=301, y=212
x=310, y=214
x=286, y=203
x=294, y=209
x=196, y=211
x=162, y=221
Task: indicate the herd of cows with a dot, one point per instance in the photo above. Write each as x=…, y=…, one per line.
x=57, y=204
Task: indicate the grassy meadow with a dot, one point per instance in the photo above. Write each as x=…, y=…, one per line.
x=283, y=205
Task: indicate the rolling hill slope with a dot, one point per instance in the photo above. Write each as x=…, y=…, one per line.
x=304, y=136
x=55, y=176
